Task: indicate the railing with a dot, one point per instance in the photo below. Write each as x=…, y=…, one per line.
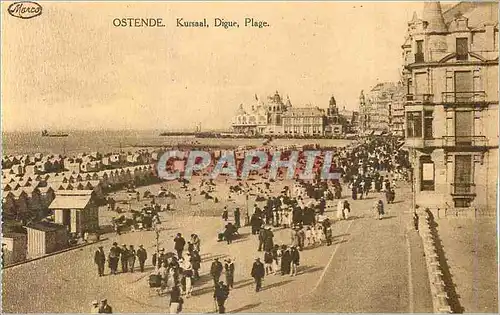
x=420, y=98
x=463, y=189
x=464, y=97
x=465, y=141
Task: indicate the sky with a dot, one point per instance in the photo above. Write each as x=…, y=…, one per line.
x=70, y=68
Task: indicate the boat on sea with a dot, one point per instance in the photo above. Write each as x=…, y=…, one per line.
x=45, y=133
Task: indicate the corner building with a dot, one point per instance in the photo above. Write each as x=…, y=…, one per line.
x=451, y=108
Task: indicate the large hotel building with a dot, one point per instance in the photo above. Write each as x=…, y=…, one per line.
x=451, y=110
x=277, y=117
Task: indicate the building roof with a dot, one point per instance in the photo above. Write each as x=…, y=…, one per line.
x=13, y=235
x=70, y=202
x=477, y=12
x=74, y=193
x=45, y=226
x=434, y=17
x=309, y=111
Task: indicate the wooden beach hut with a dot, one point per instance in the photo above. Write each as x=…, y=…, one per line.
x=14, y=247
x=45, y=238
x=77, y=210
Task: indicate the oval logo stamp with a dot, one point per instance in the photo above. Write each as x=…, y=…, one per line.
x=25, y=9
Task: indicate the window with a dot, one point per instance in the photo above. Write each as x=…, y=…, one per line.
x=409, y=87
x=463, y=174
x=428, y=125
x=419, y=55
x=421, y=86
x=463, y=127
x=462, y=203
x=462, y=48
x=463, y=86
x=426, y=174
x=414, y=124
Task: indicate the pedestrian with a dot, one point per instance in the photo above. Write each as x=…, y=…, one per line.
x=276, y=252
x=262, y=238
x=346, y=209
x=113, y=258
x=187, y=272
x=268, y=262
x=340, y=210
x=175, y=300
x=237, y=218
x=285, y=260
x=95, y=307
x=329, y=236
x=195, y=240
x=142, y=256
x=379, y=207
x=301, y=237
x=216, y=270
x=100, y=261
x=309, y=235
x=180, y=242
x=229, y=232
x=229, y=270
x=225, y=214
x=269, y=240
x=258, y=273
x=105, y=307
x=354, y=191
x=255, y=222
x=124, y=258
x=196, y=263
x=221, y=294
x=162, y=271
x=131, y=258
x=295, y=260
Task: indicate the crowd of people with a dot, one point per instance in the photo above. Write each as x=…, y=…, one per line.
x=371, y=167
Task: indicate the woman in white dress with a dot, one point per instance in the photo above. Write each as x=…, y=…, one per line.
x=340, y=210
x=288, y=217
x=171, y=279
x=309, y=236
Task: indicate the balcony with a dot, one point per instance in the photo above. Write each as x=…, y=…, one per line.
x=467, y=141
x=457, y=98
x=421, y=143
x=419, y=98
x=463, y=189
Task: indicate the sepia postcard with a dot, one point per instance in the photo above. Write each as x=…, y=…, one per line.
x=249, y=157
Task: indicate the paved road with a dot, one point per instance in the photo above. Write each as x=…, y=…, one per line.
x=366, y=270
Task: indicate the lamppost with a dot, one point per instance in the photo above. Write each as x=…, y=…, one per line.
x=247, y=217
x=413, y=179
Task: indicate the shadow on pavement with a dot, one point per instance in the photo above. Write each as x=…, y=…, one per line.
x=341, y=235
x=242, y=283
x=206, y=278
x=339, y=242
x=308, y=269
x=212, y=257
x=395, y=202
x=354, y=217
x=244, y=308
x=388, y=217
x=274, y=285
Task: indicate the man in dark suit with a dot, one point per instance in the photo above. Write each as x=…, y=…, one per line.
x=100, y=260
x=216, y=270
x=142, y=255
x=258, y=273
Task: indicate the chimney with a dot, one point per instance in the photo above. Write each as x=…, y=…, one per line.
x=434, y=17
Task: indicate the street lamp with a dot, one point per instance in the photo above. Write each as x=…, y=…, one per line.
x=247, y=218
